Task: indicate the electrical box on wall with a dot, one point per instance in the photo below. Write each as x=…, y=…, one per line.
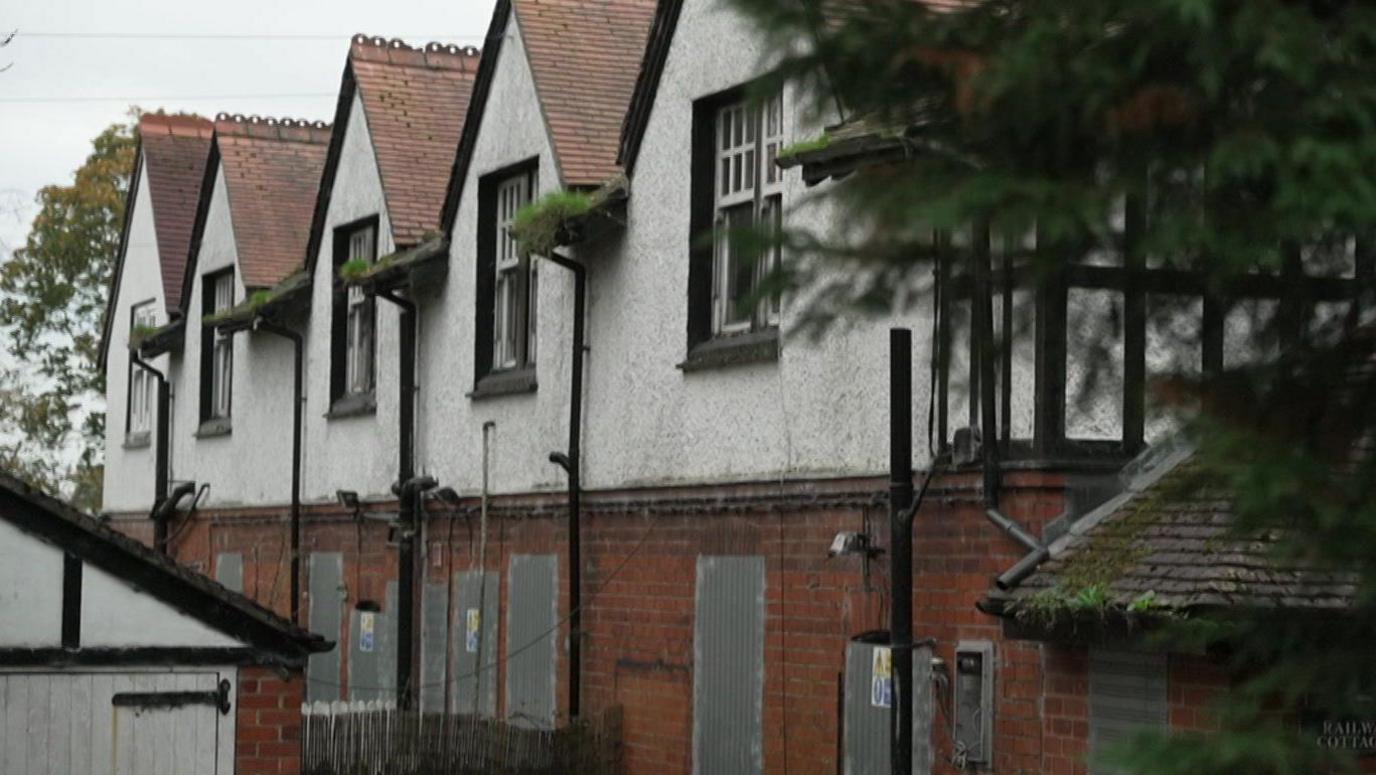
x=973, y=696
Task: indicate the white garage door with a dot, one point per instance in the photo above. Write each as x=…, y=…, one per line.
x=58, y=723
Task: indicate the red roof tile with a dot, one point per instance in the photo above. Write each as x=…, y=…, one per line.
x=272, y=171
x=175, y=149
x=585, y=56
x=415, y=100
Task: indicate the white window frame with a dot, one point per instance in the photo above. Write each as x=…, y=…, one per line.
x=515, y=280
x=360, y=316
x=747, y=189
x=142, y=396
x=222, y=349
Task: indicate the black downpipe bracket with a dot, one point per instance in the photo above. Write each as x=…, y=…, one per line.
x=408, y=500
x=298, y=399
x=570, y=462
x=160, y=458
x=901, y=546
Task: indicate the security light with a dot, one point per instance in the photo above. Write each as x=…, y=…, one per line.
x=853, y=543
x=447, y=496
x=348, y=499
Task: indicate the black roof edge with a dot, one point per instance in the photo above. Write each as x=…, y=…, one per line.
x=348, y=87
x=472, y=122
x=130, y=197
x=212, y=169
x=647, y=82
x=159, y=576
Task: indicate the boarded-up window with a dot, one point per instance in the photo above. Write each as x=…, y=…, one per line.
x=1127, y=694
x=728, y=671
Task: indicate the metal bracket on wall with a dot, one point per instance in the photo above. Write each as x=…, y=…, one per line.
x=218, y=699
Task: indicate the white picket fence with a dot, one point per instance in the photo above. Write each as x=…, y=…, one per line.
x=374, y=738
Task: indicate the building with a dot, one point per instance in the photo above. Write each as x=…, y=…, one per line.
x=115, y=659
x=454, y=407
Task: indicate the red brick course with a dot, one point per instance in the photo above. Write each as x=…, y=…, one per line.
x=267, y=719
x=639, y=590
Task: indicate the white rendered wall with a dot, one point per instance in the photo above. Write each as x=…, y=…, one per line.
x=252, y=464
x=530, y=425
x=115, y=615
x=30, y=590
x=356, y=453
x=129, y=472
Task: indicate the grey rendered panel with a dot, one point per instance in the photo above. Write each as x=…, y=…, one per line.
x=475, y=663
x=532, y=640
x=229, y=570
x=365, y=668
x=1127, y=693
x=434, y=645
x=728, y=672
x=326, y=617
x=866, y=727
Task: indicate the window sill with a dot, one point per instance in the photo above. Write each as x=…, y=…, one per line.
x=728, y=351
x=139, y=440
x=219, y=426
x=505, y=383
x=355, y=405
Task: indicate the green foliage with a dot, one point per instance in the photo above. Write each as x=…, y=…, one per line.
x=1243, y=130
x=538, y=226
x=354, y=268
x=819, y=143
x=52, y=301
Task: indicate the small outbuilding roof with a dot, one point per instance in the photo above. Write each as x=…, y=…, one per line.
x=273, y=639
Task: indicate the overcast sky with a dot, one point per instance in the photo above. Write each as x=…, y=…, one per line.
x=78, y=65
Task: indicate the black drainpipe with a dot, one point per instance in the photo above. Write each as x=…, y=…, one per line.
x=159, y=454
x=408, y=499
x=298, y=398
x=901, y=546
x=570, y=463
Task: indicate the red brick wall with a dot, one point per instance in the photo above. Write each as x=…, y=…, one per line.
x=268, y=723
x=640, y=553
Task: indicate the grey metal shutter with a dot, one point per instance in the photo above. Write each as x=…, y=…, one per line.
x=229, y=570
x=866, y=725
x=326, y=615
x=532, y=640
x=1127, y=693
x=475, y=651
x=728, y=666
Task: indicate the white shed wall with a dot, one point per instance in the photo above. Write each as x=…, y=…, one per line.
x=30, y=590
x=116, y=615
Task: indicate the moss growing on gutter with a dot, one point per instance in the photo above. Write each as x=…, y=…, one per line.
x=354, y=268
x=538, y=227
x=802, y=147
x=139, y=334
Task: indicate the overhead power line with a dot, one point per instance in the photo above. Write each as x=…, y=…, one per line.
x=286, y=36
x=170, y=98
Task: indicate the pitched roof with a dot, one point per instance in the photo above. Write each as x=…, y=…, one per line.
x=415, y=100
x=584, y=56
x=1169, y=539
x=272, y=170
x=172, y=149
x=175, y=149
x=155, y=574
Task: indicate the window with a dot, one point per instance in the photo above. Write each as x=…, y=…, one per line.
x=748, y=193
x=354, y=321
x=217, y=353
x=508, y=281
x=736, y=188
x=142, y=388
x=513, y=338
